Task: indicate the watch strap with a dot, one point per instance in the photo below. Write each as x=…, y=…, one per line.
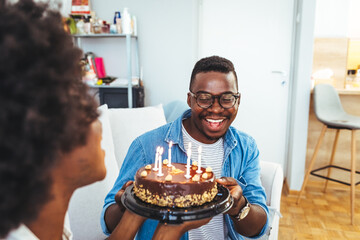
x=243, y=211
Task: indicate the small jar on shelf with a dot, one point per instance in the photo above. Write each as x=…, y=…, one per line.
x=350, y=77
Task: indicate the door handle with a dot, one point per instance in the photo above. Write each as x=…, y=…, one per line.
x=283, y=73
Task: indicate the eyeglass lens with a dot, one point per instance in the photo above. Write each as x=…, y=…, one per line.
x=205, y=100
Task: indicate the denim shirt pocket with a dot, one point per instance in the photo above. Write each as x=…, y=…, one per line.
x=242, y=182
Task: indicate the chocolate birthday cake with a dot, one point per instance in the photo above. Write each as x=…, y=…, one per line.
x=173, y=188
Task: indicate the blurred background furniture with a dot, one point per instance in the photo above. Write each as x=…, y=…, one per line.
x=87, y=202
x=329, y=111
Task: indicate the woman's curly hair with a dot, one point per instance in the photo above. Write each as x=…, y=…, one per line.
x=45, y=109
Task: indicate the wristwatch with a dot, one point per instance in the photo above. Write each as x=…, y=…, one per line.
x=243, y=212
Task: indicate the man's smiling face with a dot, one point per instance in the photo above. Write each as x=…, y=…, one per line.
x=208, y=125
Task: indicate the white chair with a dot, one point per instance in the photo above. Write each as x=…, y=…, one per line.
x=120, y=127
x=329, y=111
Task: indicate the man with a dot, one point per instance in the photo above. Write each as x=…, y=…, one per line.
x=214, y=100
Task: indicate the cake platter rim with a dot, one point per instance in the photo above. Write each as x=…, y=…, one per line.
x=222, y=202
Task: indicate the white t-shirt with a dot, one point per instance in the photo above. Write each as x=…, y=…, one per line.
x=23, y=232
x=212, y=155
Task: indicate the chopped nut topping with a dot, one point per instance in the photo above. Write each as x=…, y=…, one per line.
x=143, y=174
x=148, y=167
x=205, y=175
x=168, y=178
x=196, y=178
x=194, y=163
x=178, y=201
x=165, y=161
x=176, y=171
x=209, y=169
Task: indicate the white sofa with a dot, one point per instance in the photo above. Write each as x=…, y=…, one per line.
x=120, y=128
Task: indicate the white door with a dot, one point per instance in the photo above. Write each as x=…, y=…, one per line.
x=256, y=36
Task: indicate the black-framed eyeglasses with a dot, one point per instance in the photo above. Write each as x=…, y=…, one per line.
x=206, y=100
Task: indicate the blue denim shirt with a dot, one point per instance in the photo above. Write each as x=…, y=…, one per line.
x=241, y=162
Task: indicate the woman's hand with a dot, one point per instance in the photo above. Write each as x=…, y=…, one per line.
x=175, y=231
x=115, y=212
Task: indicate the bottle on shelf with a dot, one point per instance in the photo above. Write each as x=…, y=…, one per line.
x=105, y=27
x=356, y=81
x=96, y=27
x=134, y=26
x=87, y=25
x=117, y=21
x=80, y=26
x=350, y=77
x=126, y=22
x=113, y=29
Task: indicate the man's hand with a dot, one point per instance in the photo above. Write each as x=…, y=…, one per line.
x=236, y=193
x=115, y=212
x=252, y=224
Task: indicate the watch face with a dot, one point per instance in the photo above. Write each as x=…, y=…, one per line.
x=244, y=212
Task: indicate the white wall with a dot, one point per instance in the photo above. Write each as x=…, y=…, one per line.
x=354, y=19
x=337, y=18
x=331, y=18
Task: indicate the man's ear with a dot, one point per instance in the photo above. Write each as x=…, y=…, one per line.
x=189, y=99
x=238, y=100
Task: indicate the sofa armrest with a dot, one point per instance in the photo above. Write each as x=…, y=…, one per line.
x=272, y=177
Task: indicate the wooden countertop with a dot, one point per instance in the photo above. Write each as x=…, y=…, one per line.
x=349, y=91
x=343, y=91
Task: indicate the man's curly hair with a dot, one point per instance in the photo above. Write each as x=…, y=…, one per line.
x=45, y=109
x=213, y=63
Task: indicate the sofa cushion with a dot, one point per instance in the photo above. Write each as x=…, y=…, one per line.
x=174, y=109
x=87, y=202
x=129, y=123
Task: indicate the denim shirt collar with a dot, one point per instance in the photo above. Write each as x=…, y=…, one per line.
x=174, y=134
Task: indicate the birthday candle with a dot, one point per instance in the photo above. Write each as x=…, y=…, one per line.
x=161, y=150
x=156, y=159
x=188, y=162
x=199, y=160
x=169, y=153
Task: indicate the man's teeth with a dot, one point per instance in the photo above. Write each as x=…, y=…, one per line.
x=215, y=120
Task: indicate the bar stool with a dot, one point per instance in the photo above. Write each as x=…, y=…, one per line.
x=329, y=111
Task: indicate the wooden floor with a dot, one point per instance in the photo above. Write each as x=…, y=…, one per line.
x=319, y=215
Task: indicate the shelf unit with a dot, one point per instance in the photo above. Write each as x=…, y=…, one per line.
x=128, y=37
